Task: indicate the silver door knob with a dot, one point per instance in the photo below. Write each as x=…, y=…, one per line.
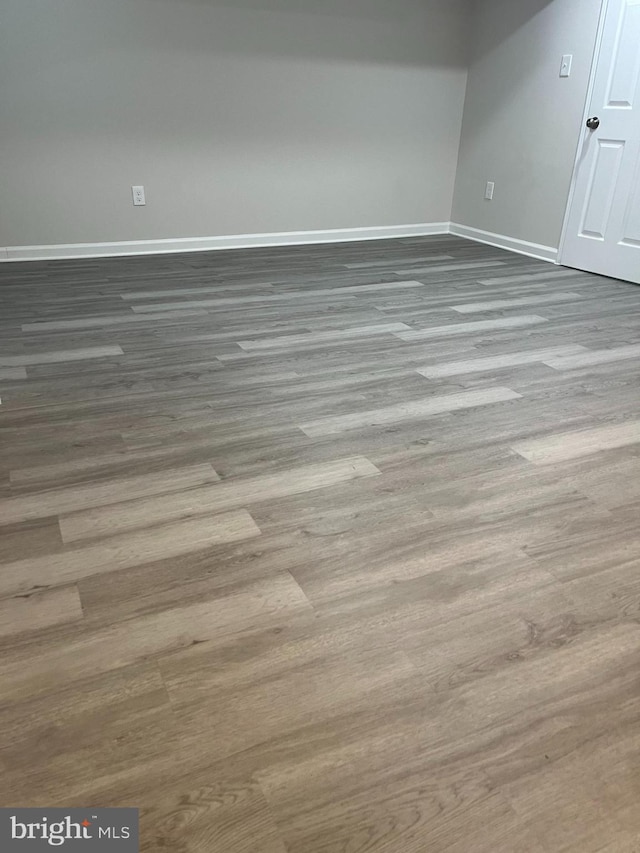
x=593, y=123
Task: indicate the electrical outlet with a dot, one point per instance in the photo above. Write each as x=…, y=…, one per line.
x=488, y=193
x=138, y=196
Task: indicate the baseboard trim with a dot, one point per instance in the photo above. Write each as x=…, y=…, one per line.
x=207, y=244
x=284, y=238
x=501, y=241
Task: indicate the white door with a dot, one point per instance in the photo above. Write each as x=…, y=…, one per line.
x=603, y=222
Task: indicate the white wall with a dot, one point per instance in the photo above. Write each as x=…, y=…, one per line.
x=521, y=121
x=239, y=116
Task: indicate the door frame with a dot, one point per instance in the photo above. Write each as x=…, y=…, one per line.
x=604, y=8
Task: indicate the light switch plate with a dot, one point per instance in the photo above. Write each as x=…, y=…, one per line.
x=565, y=67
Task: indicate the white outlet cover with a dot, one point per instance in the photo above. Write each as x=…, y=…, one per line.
x=138, y=196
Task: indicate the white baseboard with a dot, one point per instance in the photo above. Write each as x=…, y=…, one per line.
x=207, y=244
x=284, y=238
x=522, y=247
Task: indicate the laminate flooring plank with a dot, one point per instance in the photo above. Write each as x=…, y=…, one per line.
x=287, y=698
x=451, y=805
x=414, y=410
x=99, y=322
x=38, y=610
x=266, y=288
x=347, y=292
x=111, y=463
x=29, y=539
x=126, y=551
x=56, y=501
x=233, y=819
x=609, y=543
x=236, y=334
x=100, y=725
x=13, y=373
x=384, y=354
x=588, y=358
x=476, y=326
x=323, y=337
x=390, y=262
x=470, y=265
x=588, y=334
x=570, y=679
x=498, y=362
x=560, y=447
x=598, y=309
x=546, y=277
x=263, y=603
x=115, y=320
x=194, y=291
x=320, y=781
x=519, y=302
x=612, y=480
x=59, y=356
x=383, y=350
x=599, y=781
x=600, y=382
x=236, y=329
x=226, y=495
x=22, y=448
x=609, y=591
x=491, y=564
x=451, y=300
x=440, y=816
x=70, y=716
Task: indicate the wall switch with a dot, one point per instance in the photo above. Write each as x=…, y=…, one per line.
x=488, y=193
x=138, y=196
x=565, y=67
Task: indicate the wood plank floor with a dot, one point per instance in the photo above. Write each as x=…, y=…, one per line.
x=327, y=549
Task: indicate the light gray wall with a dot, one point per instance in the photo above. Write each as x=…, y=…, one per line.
x=239, y=116
x=522, y=121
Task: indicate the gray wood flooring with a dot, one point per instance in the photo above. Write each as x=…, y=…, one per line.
x=297, y=557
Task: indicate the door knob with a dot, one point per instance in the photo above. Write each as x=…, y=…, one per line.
x=593, y=123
